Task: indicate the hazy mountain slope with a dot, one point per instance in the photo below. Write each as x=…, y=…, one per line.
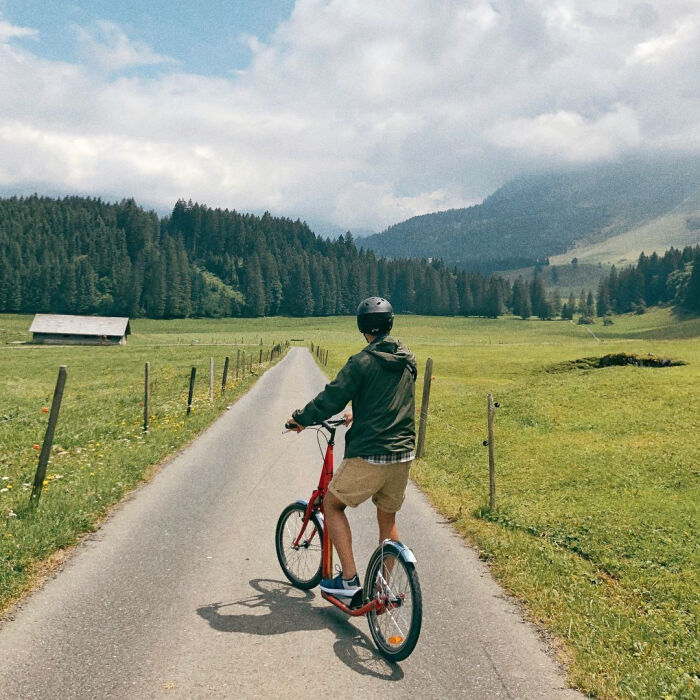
x=543, y=215
x=679, y=228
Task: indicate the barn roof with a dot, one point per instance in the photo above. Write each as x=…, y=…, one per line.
x=81, y=325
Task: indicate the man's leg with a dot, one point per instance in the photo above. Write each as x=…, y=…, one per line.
x=387, y=525
x=339, y=530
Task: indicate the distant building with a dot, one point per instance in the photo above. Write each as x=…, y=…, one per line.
x=54, y=329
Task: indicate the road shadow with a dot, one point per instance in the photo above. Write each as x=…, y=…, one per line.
x=288, y=609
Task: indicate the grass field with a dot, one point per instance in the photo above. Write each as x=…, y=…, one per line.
x=596, y=525
x=100, y=452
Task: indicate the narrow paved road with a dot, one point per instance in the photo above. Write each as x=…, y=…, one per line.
x=180, y=594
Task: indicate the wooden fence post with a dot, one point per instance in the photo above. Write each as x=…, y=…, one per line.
x=147, y=397
x=260, y=357
x=193, y=374
x=424, y=406
x=238, y=360
x=224, y=376
x=250, y=367
x=211, y=379
x=491, y=407
x=48, y=437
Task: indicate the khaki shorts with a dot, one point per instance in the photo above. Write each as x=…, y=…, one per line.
x=356, y=480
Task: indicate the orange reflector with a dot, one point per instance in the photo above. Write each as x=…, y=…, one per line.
x=395, y=640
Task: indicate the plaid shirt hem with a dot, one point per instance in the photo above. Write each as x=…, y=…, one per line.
x=393, y=458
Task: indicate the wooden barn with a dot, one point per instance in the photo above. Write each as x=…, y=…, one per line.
x=55, y=329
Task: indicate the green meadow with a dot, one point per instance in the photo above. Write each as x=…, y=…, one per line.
x=100, y=452
x=597, y=509
x=596, y=521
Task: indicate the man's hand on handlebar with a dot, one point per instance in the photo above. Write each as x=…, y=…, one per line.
x=347, y=416
x=291, y=424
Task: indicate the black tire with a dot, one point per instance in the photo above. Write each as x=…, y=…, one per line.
x=303, y=565
x=395, y=631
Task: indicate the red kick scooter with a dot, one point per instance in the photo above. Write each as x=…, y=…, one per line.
x=391, y=596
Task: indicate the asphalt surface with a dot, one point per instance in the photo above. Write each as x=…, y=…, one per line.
x=180, y=594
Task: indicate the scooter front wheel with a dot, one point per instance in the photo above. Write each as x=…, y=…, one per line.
x=392, y=580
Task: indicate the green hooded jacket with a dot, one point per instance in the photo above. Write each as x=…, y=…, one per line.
x=381, y=383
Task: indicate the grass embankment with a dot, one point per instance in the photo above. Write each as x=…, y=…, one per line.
x=100, y=452
x=596, y=525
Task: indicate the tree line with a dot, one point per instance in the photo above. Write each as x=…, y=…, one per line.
x=81, y=255
x=671, y=278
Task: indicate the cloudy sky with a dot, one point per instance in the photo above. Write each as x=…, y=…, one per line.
x=346, y=113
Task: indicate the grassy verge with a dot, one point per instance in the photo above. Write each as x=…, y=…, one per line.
x=100, y=452
x=596, y=528
x=596, y=525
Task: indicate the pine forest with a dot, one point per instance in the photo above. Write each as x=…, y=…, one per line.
x=80, y=255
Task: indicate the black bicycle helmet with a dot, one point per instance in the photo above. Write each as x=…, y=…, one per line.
x=375, y=316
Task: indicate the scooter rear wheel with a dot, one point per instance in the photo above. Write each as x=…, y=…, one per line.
x=302, y=564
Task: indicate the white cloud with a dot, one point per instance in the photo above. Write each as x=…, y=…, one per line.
x=108, y=45
x=660, y=47
x=356, y=112
x=567, y=136
x=376, y=205
x=10, y=31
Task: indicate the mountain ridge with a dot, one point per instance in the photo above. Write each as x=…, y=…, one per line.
x=536, y=216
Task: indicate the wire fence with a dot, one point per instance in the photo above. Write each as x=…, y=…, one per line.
x=109, y=408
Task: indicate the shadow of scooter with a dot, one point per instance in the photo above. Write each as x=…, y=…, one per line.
x=290, y=610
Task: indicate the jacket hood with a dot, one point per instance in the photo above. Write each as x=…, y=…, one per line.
x=392, y=354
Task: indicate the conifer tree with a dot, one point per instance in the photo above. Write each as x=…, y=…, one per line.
x=14, y=297
x=603, y=300
x=254, y=289
x=494, y=299
x=466, y=301
x=590, y=304
x=691, y=294
x=538, y=298
x=69, y=290
x=555, y=302
x=519, y=293
x=301, y=301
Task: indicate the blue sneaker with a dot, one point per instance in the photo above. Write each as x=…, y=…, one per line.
x=340, y=587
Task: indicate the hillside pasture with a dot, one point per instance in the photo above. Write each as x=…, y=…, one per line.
x=674, y=230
